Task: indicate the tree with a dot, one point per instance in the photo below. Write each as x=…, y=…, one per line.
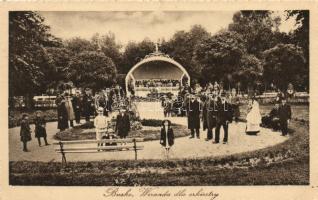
x=91, y=69
x=181, y=48
x=300, y=36
x=59, y=58
x=257, y=28
x=220, y=56
x=249, y=71
x=28, y=37
x=135, y=52
x=111, y=48
x=285, y=63
x=77, y=45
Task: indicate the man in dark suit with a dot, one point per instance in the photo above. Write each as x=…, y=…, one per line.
x=122, y=124
x=76, y=102
x=284, y=114
x=87, y=103
x=193, y=109
x=223, y=118
x=209, y=116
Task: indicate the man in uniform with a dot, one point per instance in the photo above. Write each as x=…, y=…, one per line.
x=223, y=118
x=76, y=101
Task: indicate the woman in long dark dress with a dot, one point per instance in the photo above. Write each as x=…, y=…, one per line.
x=166, y=137
x=40, y=130
x=62, y=122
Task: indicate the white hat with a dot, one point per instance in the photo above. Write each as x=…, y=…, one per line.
x=100, y=109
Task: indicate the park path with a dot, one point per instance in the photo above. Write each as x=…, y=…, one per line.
x=184, y=147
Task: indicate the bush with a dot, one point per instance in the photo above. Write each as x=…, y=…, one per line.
x=86, y=125
x=153, y=122
x=148, y=135
x=15, y=116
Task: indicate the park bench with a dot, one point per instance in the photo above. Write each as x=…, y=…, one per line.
x=128, y=144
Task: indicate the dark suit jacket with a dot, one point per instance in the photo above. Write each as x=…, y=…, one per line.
x=122, y=125
x=76, y=103
x=224, y=112
x=193, y=109
x=284, y=112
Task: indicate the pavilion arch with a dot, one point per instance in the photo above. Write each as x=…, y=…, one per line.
x=156, y=66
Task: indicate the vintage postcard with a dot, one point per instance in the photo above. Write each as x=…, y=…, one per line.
x=159, y=100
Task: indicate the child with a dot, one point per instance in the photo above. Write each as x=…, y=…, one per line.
x=167, y=136
x=25, y=131
x=100, y=123
x=40, y=130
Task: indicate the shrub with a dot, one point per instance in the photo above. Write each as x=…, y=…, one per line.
x=15, y=116
x=152, y=122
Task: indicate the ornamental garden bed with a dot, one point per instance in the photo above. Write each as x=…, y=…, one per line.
x=150, y=131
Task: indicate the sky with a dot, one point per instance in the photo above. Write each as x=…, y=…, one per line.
x=135, y=26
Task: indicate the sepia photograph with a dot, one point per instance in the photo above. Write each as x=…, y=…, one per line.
x=158, y=98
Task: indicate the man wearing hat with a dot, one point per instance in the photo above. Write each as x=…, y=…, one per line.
x=87, y=103
x=122, y=123
x=284, y=115
x=76, y=102
x=100, y=123
x=193, y=109
x=223, y=118
x=209, y=115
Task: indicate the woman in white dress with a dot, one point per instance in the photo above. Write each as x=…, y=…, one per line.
x=253, y=118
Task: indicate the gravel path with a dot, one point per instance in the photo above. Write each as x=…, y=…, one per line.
x=183, y=148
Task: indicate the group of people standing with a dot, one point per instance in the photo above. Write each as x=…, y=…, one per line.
x=72, y=107
x=39, y=129
x=217, y=109
x=216, y=113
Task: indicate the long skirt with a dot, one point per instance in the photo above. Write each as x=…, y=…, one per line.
x=252, y=128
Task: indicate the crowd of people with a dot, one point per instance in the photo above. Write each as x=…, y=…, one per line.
x=157, y=83
x=211, y=106
x=216, y=108
x=72, y=107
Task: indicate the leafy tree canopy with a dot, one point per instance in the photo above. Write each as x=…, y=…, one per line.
x=91, y=69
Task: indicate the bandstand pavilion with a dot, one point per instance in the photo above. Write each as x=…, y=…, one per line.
x=165, y=75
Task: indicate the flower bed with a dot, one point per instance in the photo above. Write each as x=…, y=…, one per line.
x=151, y=133
x=152, y=122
